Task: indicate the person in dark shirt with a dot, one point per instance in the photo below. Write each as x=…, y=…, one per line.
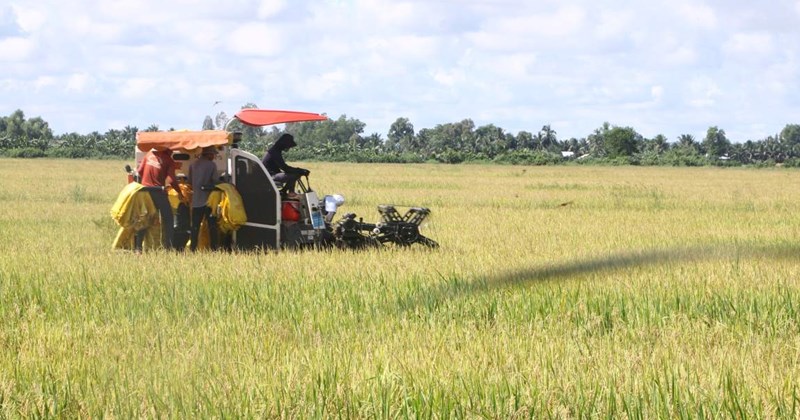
x=202, y=177
x=279, y=169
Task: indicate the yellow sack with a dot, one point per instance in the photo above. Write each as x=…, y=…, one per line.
x=172, y=196
x=227, y=206
x=126, y=236
x=122, y=206
x=133, y=211
x=204, y=236
x=134, y=208
x=214, y=200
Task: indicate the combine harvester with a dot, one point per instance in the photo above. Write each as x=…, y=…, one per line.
x=274, y=221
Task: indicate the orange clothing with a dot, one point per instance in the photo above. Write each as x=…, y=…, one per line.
x=156, y=167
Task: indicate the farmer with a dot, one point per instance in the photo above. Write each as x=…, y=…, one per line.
x=201, y=178
x=156, y=169
x=277, y=167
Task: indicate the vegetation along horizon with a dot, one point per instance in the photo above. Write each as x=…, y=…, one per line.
x=343, y=139
x=558, y=291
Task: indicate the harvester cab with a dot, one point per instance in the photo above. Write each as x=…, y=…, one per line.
x=275, y=221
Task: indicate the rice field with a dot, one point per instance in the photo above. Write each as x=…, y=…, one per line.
x=558, y=292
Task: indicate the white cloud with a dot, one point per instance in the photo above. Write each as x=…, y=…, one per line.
x=29, y=19
x=388, y=14
x=564, y=21
x=211, y=36
x=137, y=88
x=270, y=8
x=77, y=83
x=669, y=65
x=697, y=14
x=703, y=92
x=657, y=92
x=514, y=66
x=257, y=39
x=682, y=55
x=224, y=91
x=516, y=33
x=750, y=45
x=8, y=85
x=43, y=82
x=615, y=23
x=404, y=48
x=86, y=30
x=448, y=77
x=16, y=49
x=325, y=85
x=121, y=10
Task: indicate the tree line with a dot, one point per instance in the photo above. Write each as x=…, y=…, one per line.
x=343, y=139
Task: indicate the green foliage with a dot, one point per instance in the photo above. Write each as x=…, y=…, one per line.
x=684, y=156
x=790, y=135
x=208, y=123
x=792, y=163
x=69, y=152
x=596, y=143
x=716, y=143
x=649, y=157
x=546, y=138
x=529, y=157
x=401, y=135
x=450, y=156
x=621, y=141
x=25, y=152
x=343, y=139
x=607, y=161
x=768, y=163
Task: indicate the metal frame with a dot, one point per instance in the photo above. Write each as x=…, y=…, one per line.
x=232, y=171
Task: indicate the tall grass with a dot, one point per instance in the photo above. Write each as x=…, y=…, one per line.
x=558, y=292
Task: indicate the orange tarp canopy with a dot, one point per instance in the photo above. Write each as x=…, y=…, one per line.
x=262, y=117
x=186, y=140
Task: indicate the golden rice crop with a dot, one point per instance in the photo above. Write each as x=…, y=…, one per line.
x=557, y=292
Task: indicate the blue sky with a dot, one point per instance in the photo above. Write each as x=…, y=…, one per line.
x=662, y=67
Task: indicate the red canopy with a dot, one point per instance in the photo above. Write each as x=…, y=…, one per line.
x=262, y=117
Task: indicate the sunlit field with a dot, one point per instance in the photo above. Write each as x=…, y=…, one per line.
x=562, y=292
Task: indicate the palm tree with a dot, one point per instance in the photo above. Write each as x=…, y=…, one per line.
x=687, y=141
x=547, y=137
x=660, y=144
